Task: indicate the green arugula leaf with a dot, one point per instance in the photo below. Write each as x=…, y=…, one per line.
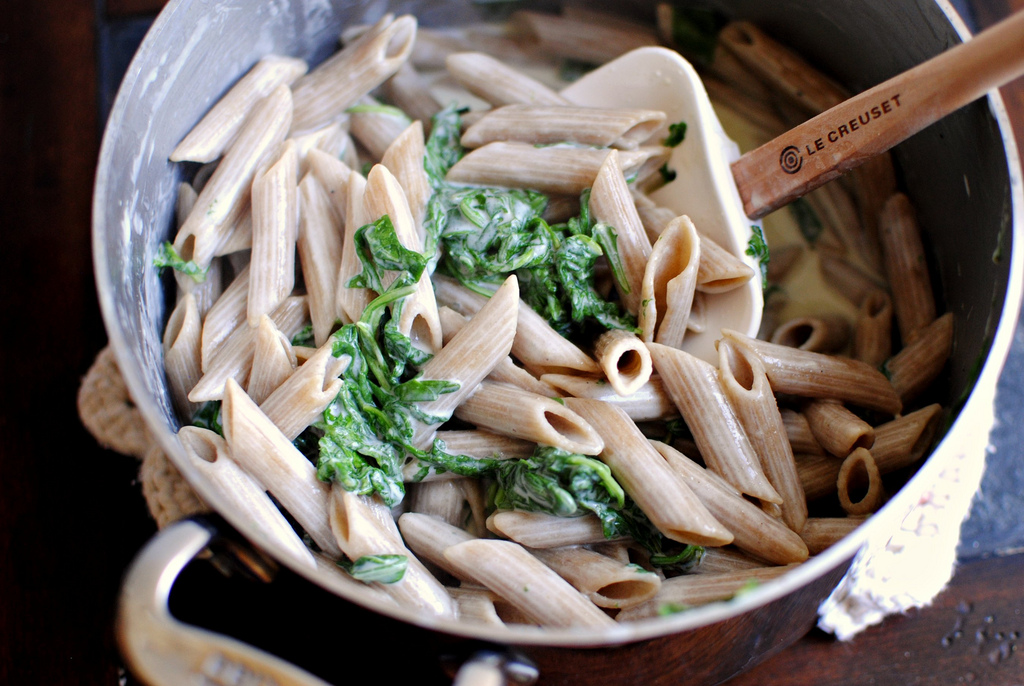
x=695, y=32
x=807, y=220
x=207, y=416
x=387, y=110
x=167, y=256
x=367, y=431
x=304, y=337
x=758, y=249
x=384, y=569
x=676, y=135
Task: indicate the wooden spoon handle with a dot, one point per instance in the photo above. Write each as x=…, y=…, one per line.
x=870, y=123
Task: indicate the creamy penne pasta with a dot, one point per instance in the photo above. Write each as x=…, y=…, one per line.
x=429, y=316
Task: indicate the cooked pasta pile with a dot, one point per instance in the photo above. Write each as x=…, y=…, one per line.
x=449, y=340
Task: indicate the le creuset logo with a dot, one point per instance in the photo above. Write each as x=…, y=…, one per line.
x=792, y=157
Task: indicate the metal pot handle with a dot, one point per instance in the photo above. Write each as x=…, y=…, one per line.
x=163, y=651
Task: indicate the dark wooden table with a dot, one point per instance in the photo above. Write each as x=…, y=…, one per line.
x=71, y=514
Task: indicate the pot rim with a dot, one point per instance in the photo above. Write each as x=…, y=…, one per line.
x=891, y=514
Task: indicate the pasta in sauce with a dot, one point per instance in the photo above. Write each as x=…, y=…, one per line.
x=446, y=340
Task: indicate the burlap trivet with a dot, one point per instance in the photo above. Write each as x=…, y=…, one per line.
x=107, y=411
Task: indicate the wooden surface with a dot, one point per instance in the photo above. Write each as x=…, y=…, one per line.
x=71, y=514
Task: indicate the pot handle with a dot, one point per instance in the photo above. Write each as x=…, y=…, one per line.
x=163, y=651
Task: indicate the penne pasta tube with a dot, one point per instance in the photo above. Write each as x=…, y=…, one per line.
x=208, y=454
x=404, y=159
x=669, y=283
x=182, y=360
x=818, y=474
x=647, y=479
x=497, y=83
x=836, y=429
x=324, y=93
x=549, y=124
x=234, y=359
x=510, y=571
x=786, y=72
x=720, y=560
x=376, y=126
x=625, y=360
x=478, y=443
x=471, y=442
x=820, y=334
x=477, y=605
x=429, y=536
x=698, y=320
x=537, y=419
x=364, y=526
x=617, y=550
x=539, y=530
x=746, y=386
x=648, y=403
x=330, y=140
x=904, y=441
x=506, y=371
x=604, y=581
x=690, y=590
x=319, y=248
x=352, y=301
x=694, y=387
x=913, y=300
x=899, y=443
x=913, y=368
x=539, y=347
x=731, y=98
x=798, y=431
x=612, y=204
x=270, y=458
x=273, y=361
x=860, y=473
x=471, y=355
x=274, y=229
x=558, y=170
x=205, y=293
x=433, y=45
x=419, y=319
x=302, y=398
x=815, y=375
x=446, y=500
x=333, y=176
x=873, y=183
x=226, y=315
x=753, y=530
x=224, y=198
x=587, y=41
x=216, y=131
x=184, y=202
x=846, y=279
x=720, y=271
x=238, y=236
x=872, y=339
x=837, y=211
x=821, y=533
x=410, y=92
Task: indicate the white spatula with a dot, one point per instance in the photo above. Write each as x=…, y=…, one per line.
x=724, y=192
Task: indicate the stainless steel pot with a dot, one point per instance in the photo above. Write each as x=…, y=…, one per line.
x=963, y=175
